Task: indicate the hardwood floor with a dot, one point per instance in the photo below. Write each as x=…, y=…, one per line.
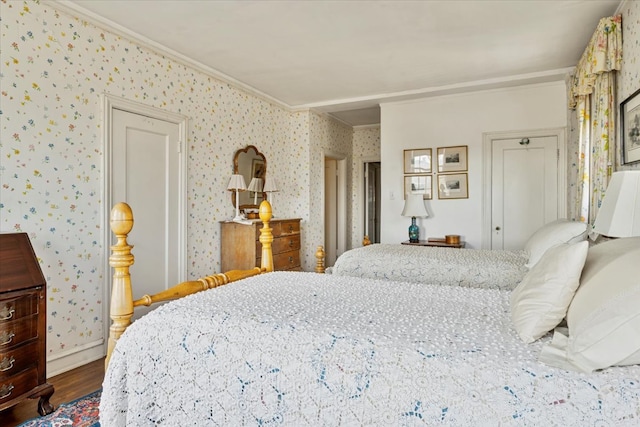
x=68, y=386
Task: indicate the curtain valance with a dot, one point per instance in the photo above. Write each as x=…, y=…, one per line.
x=603, y=54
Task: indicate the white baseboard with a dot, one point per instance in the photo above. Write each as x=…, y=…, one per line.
x=78, y=356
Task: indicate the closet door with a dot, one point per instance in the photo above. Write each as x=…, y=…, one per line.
x=146, y=174
x=526, y=187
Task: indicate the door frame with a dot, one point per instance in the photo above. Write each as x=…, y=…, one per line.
x=109, y=103
x=341, y=197
x=487, y=167
x=359, y=224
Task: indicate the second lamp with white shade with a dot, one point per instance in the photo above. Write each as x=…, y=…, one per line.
x=237, y=184
x=414, y=207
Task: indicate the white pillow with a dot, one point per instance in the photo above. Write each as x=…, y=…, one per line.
x=604, y=316
x=540, y=301
x=553, y=234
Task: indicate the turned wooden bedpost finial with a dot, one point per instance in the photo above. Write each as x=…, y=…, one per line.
x=320, y=259
x=121, y=259
x=266, y=237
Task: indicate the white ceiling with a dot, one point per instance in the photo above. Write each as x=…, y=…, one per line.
x=346, y=57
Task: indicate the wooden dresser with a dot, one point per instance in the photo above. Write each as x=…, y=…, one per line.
x=241, y=248
x=23, y=325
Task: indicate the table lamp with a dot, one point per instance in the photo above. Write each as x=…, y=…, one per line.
x=414, y=207
x=271, y=186
x=619, y=215
x=237, y=184
x=256, y=186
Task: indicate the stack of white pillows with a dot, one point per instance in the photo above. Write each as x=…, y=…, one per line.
x=596, y=289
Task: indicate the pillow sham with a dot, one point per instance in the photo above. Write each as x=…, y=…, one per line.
x=604, y=316
x=540, y=301
x=552, y=234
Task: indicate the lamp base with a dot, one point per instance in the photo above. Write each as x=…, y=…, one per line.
x=414, y=231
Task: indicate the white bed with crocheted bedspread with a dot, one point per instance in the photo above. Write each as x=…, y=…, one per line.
x=474, y=268
x=303, y=349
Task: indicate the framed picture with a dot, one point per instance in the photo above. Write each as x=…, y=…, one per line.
x=452, y=159
x=630, y=128
x=453, y=186
x=418, y=184
x=257, y=168
x=417, y=161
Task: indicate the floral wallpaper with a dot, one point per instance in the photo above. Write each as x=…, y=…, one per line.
x=53, y=69
x=366, y=145
x=629, y=75
x=326, y=137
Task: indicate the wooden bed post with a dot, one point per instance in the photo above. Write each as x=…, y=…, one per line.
x=320, y=259
x=122, y=303
x=121, y=259
x=266, y=237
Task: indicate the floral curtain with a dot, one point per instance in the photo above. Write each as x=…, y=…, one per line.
x=592, y=95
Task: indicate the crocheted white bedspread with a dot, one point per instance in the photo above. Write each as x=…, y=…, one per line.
x=474, y=268
x=305, y=349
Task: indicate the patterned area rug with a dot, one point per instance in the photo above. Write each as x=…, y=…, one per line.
x=81, y=412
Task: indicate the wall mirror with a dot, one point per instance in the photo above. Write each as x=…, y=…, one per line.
x=250, y=163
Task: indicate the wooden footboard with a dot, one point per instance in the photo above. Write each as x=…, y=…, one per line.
x=122, y=303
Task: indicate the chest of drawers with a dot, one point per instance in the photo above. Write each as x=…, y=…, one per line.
x=241, y=248
x=23, y=318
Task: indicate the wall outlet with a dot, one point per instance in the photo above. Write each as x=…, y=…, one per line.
x=392, y=195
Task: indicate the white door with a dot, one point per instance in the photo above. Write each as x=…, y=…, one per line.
x=146, y=175
x=330, y=210
x=527, y=187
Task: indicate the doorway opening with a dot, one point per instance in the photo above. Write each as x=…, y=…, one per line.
x=372, y=199
x=335, y=207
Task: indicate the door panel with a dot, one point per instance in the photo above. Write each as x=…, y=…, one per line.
x=330, y=210
x=146, y=176
x=524, y=187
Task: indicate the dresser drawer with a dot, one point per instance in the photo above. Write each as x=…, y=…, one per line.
x=15, y=305
x=12, y=387
x=18, y=359
x=17, y=332
x=287, y=260
x=281, y=228
x=282, y=244
x=286, y=243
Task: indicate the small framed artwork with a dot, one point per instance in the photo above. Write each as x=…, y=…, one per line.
x=417, y=161
x=630, y=128
x=452, y=159
x=453, y=186
x=257, y=168
x=418, y=184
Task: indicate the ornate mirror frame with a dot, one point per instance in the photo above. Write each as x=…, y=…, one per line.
x=250, y=163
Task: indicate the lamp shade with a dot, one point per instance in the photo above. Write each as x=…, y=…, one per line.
x=236, y=183
x=271, y=185
x=414, y=206
x=619, y=215
x=255, y=185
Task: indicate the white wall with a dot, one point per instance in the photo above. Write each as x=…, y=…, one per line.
x=451, y=120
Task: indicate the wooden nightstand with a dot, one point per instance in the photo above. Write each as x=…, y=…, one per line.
x=436, y=244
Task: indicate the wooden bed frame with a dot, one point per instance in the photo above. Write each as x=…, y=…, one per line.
x=122, y=303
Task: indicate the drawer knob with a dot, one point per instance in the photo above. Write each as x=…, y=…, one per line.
x=7, y=312
x=291, y=229
x=7, y=363
x=6, y=337
x=290, y=243
x=5, y=390
x=290, y=260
